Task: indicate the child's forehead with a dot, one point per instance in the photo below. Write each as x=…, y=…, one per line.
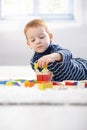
x=36, y=29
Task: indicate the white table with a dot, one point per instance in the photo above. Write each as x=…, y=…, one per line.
x=32, y=109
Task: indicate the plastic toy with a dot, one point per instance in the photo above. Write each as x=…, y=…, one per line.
x=85, y=84
x=71, y=83
x=43, y=78
x=44, y=85
x=28, y=83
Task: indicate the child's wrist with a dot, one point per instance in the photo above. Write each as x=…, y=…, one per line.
x=58, y=57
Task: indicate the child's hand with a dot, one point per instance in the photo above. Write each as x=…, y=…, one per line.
x=43, y=61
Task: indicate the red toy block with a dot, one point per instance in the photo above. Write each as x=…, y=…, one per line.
x=55, y=83
x=86, y=85
x=67, y=83
x=39, y=77
x=46, y=77
x=72, y=83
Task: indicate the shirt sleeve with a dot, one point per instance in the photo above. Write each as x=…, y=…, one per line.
x=32, y=64
x=56, y=66
x=66, y=54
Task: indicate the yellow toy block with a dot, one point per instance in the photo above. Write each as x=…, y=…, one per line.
x=45, y=85
x=8, y=83
x=35, y=66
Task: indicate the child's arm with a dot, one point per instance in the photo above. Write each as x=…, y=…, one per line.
x=45, y=60
x=59, y=55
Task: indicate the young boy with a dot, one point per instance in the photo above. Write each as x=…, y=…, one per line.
x=58, y=60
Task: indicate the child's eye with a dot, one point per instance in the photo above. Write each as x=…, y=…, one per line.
x=41, y=37
x=32, y=40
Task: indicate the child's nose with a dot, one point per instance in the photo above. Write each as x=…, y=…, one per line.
x=37, y=41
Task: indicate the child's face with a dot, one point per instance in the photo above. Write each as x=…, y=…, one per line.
x=38, y=39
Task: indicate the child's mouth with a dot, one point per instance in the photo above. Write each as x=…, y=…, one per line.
x=39, y=47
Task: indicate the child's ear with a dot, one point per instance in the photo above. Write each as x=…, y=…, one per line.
x=27, y=42
x=29, y=45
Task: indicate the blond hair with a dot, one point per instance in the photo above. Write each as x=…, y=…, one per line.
x=36, y=23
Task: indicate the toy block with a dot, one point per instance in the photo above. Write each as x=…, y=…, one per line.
x=35, y=66
x=3, y=82
x=41, y=86
x=45, y=85
x=85, y=84
x=48, y=85
x=71, y=83
x=39, y=77
x=17, y=83
x=55, y=83
x=31, y=84
x=46, y=77
x=28, y=84
x=8, y=83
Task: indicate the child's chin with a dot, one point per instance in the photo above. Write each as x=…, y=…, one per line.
x=40, y=51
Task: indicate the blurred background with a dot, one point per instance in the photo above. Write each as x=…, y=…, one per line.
x=66, y=18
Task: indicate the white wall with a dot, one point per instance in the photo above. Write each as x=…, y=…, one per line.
x=14, y=51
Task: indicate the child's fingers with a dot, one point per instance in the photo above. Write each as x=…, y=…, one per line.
x=43, y=61
x=41, y=64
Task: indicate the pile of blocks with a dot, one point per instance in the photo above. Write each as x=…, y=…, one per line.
x=44, y=81
x=43, y=78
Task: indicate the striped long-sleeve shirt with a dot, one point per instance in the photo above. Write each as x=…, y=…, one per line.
x=68, y=69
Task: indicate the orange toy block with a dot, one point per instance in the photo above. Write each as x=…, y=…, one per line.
x=28, y=84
